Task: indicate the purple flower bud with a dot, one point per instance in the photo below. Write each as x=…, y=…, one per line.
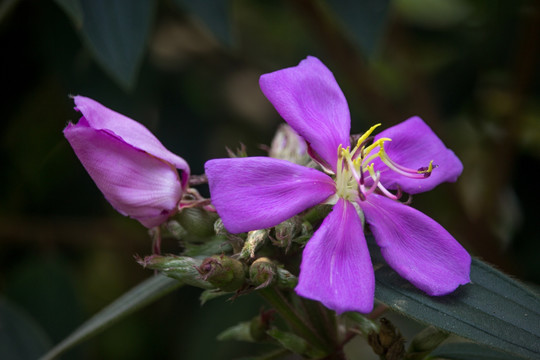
x=130, y=166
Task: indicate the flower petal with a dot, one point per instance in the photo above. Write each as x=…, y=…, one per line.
x=101, y=118
x=414, y=145
x=308, y=97
x=336, y=267
x=417, y=247
x=135, y=183
x=258, y=192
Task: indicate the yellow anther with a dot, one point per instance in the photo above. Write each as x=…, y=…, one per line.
x=379, y=143
x=428, y=170
x=366, y=134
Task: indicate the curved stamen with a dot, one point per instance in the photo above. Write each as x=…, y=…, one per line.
x=386, y=193
x=376, y=179
x=402, y=170
x=362, y=139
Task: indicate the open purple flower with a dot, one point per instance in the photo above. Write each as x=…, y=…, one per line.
x=254, y=193
x=134, y=171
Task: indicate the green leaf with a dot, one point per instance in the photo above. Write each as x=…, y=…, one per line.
x=21, y=337
x=240, y=332
x=211, y=294
x=434, y=14
x=364, y=19
x=467, y=351
x=133, y=300
x=492, y=310
x=116, y=33
x=214, y=13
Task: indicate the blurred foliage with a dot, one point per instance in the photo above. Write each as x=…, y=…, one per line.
x=190, y=73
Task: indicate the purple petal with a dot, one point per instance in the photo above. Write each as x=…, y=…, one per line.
x=308, y=97
x=258, y=192
x=135, y=183
x=137, y=135
x=336, y=267
x=417, y=247
x=414, y=145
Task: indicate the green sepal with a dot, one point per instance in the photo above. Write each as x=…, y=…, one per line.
x=181, y=268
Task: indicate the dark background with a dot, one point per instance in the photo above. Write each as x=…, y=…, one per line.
x=468, y=68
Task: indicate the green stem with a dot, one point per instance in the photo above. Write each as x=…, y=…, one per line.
x=275, y=298
x=322, y=319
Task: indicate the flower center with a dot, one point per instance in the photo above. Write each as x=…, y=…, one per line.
x=356, y=176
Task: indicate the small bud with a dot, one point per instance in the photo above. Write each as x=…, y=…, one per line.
x=396, y=351
x=197, y=221
x=263, y=273
x=288, y=145
x=255, y=239
x=223, y=272
x=181, y=268
x=388, y=342
x=388, y=333
x=219, y=228
x=373, y=341
x=236, y=241
x=286, y=231
x=285, y=279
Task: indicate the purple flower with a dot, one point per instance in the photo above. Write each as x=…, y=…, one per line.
x=134, y=171
x=254, y=193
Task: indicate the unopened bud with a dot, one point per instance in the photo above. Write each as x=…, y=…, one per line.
x=288, y=145
x=373, y=341
x=388, y=333
x=219, y=228
x=197, y=221
x=285, y=279
x=223, y=272
x=255, y=239
x=396, y=351
x=181, y=268
x=236, y=241
x=263, y=273
x=388, y=342
x=286, y=231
